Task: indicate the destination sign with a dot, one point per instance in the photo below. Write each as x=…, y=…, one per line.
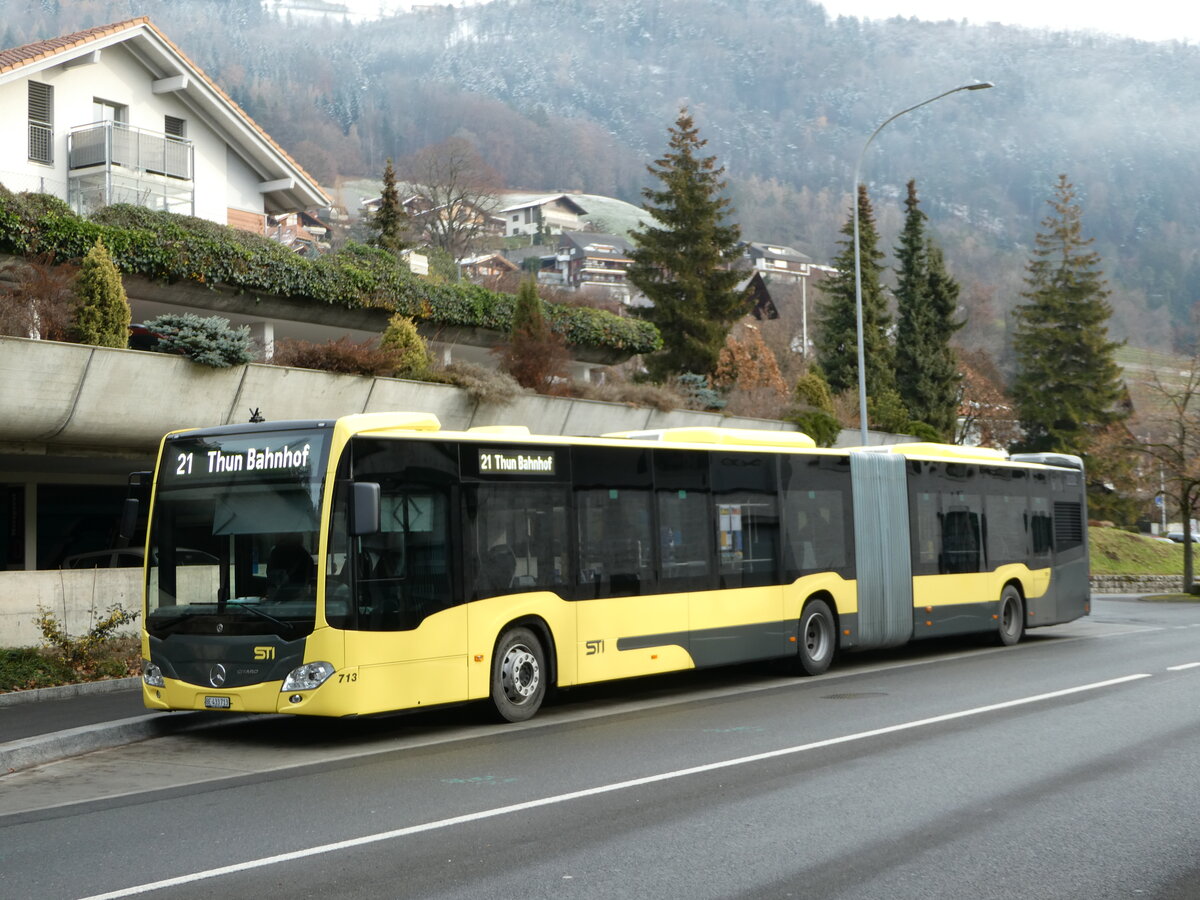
x=234, y=458
x=516, y=462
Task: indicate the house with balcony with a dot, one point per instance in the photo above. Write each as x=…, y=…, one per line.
x=547, y=215
x=119, y=114
x=597, y=264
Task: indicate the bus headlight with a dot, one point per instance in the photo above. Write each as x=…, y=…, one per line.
x=152, y=674
x=307, y=677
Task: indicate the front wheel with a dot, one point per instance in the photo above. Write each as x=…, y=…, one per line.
x=1012, y=617
x=518, y=675
x=817, y=639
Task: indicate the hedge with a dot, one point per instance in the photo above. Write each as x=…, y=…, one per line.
x=172, y=248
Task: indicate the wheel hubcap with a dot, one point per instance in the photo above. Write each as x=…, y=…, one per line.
x=519, y=674
x=814, y=638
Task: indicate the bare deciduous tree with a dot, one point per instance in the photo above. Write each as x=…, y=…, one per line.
x=460, y=194
x=1171, y=422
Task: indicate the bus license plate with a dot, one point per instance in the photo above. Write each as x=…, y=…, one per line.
x=216, y=703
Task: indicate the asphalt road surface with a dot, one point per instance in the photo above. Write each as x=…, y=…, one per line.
x=1065, y=767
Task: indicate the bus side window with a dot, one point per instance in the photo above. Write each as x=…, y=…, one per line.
x=616, y=550
x=519, y=533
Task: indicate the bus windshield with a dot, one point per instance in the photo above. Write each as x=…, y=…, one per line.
x=234, y=536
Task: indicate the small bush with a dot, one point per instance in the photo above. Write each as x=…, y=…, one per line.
x=483, y=385
x=80, y=654
x=36, y=298
x=923, y=431
x=210, y=342
x=410, y=350
x=343, y=356
x=697, y=392
x=818, y=425
x=656, y=396
x=812, y=392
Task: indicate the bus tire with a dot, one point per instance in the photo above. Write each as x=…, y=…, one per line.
x=1012, y=617
x=817, y=639
x=518, y=675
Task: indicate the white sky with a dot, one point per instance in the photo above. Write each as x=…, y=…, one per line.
x=1148, y=20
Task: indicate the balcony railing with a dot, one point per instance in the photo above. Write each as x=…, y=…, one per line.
x=118, y=144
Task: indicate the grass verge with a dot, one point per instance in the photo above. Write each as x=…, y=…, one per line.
x=26, y=668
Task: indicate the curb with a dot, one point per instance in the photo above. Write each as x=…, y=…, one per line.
x=66, y=691
x=58, y=745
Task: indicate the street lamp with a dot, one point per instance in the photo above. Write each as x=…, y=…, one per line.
x=858, y=310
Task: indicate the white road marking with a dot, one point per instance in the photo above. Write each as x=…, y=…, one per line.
x=1184, y=666
x=597, y=791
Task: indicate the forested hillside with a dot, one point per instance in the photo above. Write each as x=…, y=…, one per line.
x=577, y=94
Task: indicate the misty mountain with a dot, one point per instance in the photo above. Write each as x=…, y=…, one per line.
x=578, y=94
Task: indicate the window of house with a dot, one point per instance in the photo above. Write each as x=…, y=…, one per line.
x=174, y=127
x=41, y=122
x=108, y=111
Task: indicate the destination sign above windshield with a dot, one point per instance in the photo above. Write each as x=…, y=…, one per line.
x=233, y=458
x=516, y=462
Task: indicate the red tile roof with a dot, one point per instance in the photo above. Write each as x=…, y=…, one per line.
x=21, y=56
x=38, y=50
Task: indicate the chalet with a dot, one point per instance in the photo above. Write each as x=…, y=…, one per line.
x=776, y=261
x=156, y=131
x=487, y=267
x=549, y=215
x=596, y=264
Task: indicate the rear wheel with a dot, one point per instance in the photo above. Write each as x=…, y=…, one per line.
x=518, y=675
x=817, y=639
x=1012, y=617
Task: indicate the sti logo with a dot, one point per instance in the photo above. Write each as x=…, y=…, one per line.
x=264, y=652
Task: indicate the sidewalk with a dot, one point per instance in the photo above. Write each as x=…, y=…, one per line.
x=49, y=724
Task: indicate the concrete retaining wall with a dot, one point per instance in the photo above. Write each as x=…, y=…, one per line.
x=78, y=597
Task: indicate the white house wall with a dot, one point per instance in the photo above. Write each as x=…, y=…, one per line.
x=241, y=185
x=221, y=179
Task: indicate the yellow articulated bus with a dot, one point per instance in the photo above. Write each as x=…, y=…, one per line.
x=375, y=562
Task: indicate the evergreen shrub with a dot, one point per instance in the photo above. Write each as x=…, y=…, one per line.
x=403, y=341
x=208, y=341
x=101, y=307
x=818, y=425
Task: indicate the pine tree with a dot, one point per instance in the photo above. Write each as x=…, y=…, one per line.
x=682, y=263
x=1068, y=385
x=390, y=222
x=926, y=301
x=101, y=308
x=837, y=339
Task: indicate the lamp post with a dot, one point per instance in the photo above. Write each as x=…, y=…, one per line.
x=858, y=309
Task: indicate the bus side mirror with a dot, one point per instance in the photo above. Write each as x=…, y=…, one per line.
x=129, y=517
x=364, y=509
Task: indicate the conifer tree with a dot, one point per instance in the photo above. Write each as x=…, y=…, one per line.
x=926, y=301
x=536, y=355
x=837, y=339
x=101, y=308
x=682, y=260
x=1068, y=386
x=390, y=222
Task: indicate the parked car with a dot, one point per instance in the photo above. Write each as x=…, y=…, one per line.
x=129, y=557
x=1177, y=537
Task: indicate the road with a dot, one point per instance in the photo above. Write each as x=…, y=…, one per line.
x=1068, y=766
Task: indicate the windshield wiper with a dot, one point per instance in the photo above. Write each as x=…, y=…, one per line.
x=265, y=615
